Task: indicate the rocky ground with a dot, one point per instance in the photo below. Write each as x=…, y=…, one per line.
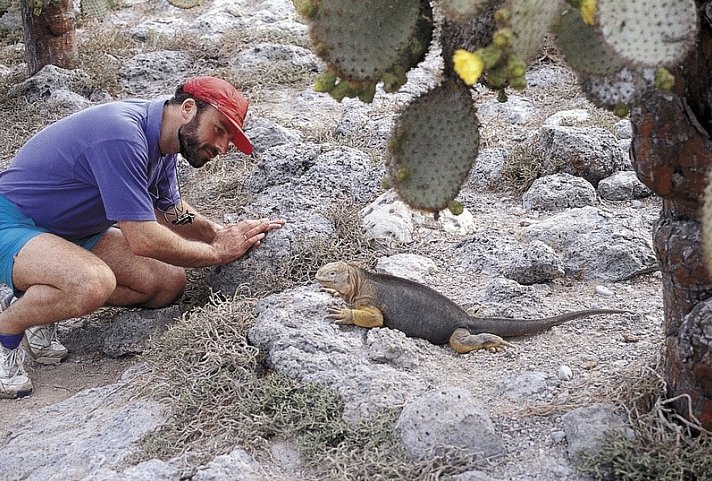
x=311, y=149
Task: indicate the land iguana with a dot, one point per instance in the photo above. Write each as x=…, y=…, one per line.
x=379, y=300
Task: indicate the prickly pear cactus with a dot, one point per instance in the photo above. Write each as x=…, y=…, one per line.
x=530, y=21
x=649, y=32
x=96, y=8
x=184, y=3
x=4, y=6
x=584, y=47
x=433, y=147
x=366, y=42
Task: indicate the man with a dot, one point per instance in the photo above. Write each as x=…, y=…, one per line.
x=91, y=214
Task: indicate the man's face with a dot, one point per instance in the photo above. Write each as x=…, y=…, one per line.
x=203, y=138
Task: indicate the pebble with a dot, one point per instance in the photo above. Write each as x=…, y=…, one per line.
x=603, y=291
x=565, y=373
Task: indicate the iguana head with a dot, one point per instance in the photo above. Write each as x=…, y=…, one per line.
x=336, y=276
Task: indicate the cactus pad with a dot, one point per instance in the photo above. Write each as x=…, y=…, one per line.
x=584, y=47
x=531, y=20
x=365, y=41
x=463, y=8
x=433, y=147
x=649, y=32
x=96, y=8
x=184, y=3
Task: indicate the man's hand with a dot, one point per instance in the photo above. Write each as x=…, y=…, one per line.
x=234, y=240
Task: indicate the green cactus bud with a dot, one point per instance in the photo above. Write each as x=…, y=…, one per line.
x=621, y=110
x=503, y=37
x=306, y=8
x=366, y=95
x=664, y=80
x=497, y=77
x=325, y=82
x=340, y=91
x=518, y=83
x=438, y=142
x=516, y=66
x=490, y=56
x=402, y=174
x=456, y=207
x=502, y=16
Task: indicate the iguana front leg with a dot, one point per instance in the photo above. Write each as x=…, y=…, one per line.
x=363, y=316
x=462, y=341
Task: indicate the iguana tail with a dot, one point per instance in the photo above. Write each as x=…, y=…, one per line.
x=505, y=327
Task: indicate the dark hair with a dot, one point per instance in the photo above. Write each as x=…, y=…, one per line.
x=179, y=97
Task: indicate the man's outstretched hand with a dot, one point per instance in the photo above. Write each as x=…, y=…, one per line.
x=234, y=240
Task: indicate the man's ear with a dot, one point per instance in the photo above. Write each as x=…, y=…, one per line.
x=188, y=109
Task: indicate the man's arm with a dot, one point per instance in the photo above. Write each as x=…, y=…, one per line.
x=151, y=239
x=201, y=229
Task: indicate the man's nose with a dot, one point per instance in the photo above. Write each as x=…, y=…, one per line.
x=224, y=146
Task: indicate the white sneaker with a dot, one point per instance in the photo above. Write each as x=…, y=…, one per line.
x=40, y=342
x=14, y=381
x=42, y=345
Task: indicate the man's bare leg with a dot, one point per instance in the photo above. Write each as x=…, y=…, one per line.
x=60, y=280
x=140, y=281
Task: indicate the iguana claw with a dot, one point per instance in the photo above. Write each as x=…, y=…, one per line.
x=341, y=315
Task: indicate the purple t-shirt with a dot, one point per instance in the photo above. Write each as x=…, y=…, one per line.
x=81, y=174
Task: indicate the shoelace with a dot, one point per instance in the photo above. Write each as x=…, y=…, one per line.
x=15, y=358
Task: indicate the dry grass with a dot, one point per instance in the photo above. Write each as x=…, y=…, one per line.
x=204, y=368
x=666, y=446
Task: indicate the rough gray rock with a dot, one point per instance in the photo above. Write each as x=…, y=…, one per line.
x=597, y=244
x=591, y=153
x=155, y=73
x=128, y=333
x=300, y=342
x=444, y=417
x=516, y=110
x=623, y=185
x=154, y=470
x=104, y=426
x=559, y=191
x=586, y=428
x=535, y=264
x=487, y=172
x=68, y=89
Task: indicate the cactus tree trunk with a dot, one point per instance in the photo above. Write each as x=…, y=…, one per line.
x=49, y=34
x=672, y=154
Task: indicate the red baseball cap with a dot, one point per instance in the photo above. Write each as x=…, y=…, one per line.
x=229, y=102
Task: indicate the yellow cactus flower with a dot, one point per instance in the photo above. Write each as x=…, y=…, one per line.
x=588, y=11
x=468, y=65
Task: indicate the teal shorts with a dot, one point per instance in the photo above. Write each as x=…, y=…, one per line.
x=15, y=231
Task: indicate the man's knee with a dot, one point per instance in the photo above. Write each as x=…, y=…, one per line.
x=170, y=286
x=93, y=288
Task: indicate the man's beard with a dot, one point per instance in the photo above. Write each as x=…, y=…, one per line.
x=197, y=154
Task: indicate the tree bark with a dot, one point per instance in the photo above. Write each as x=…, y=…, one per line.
x=672, y=154
x=50, y=36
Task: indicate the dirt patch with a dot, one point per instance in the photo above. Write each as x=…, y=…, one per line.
x=55, y=383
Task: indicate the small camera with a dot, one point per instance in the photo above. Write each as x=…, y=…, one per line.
x=184, y=218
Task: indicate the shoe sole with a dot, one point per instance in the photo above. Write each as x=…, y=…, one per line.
x=17, y=395
x=40, y=359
